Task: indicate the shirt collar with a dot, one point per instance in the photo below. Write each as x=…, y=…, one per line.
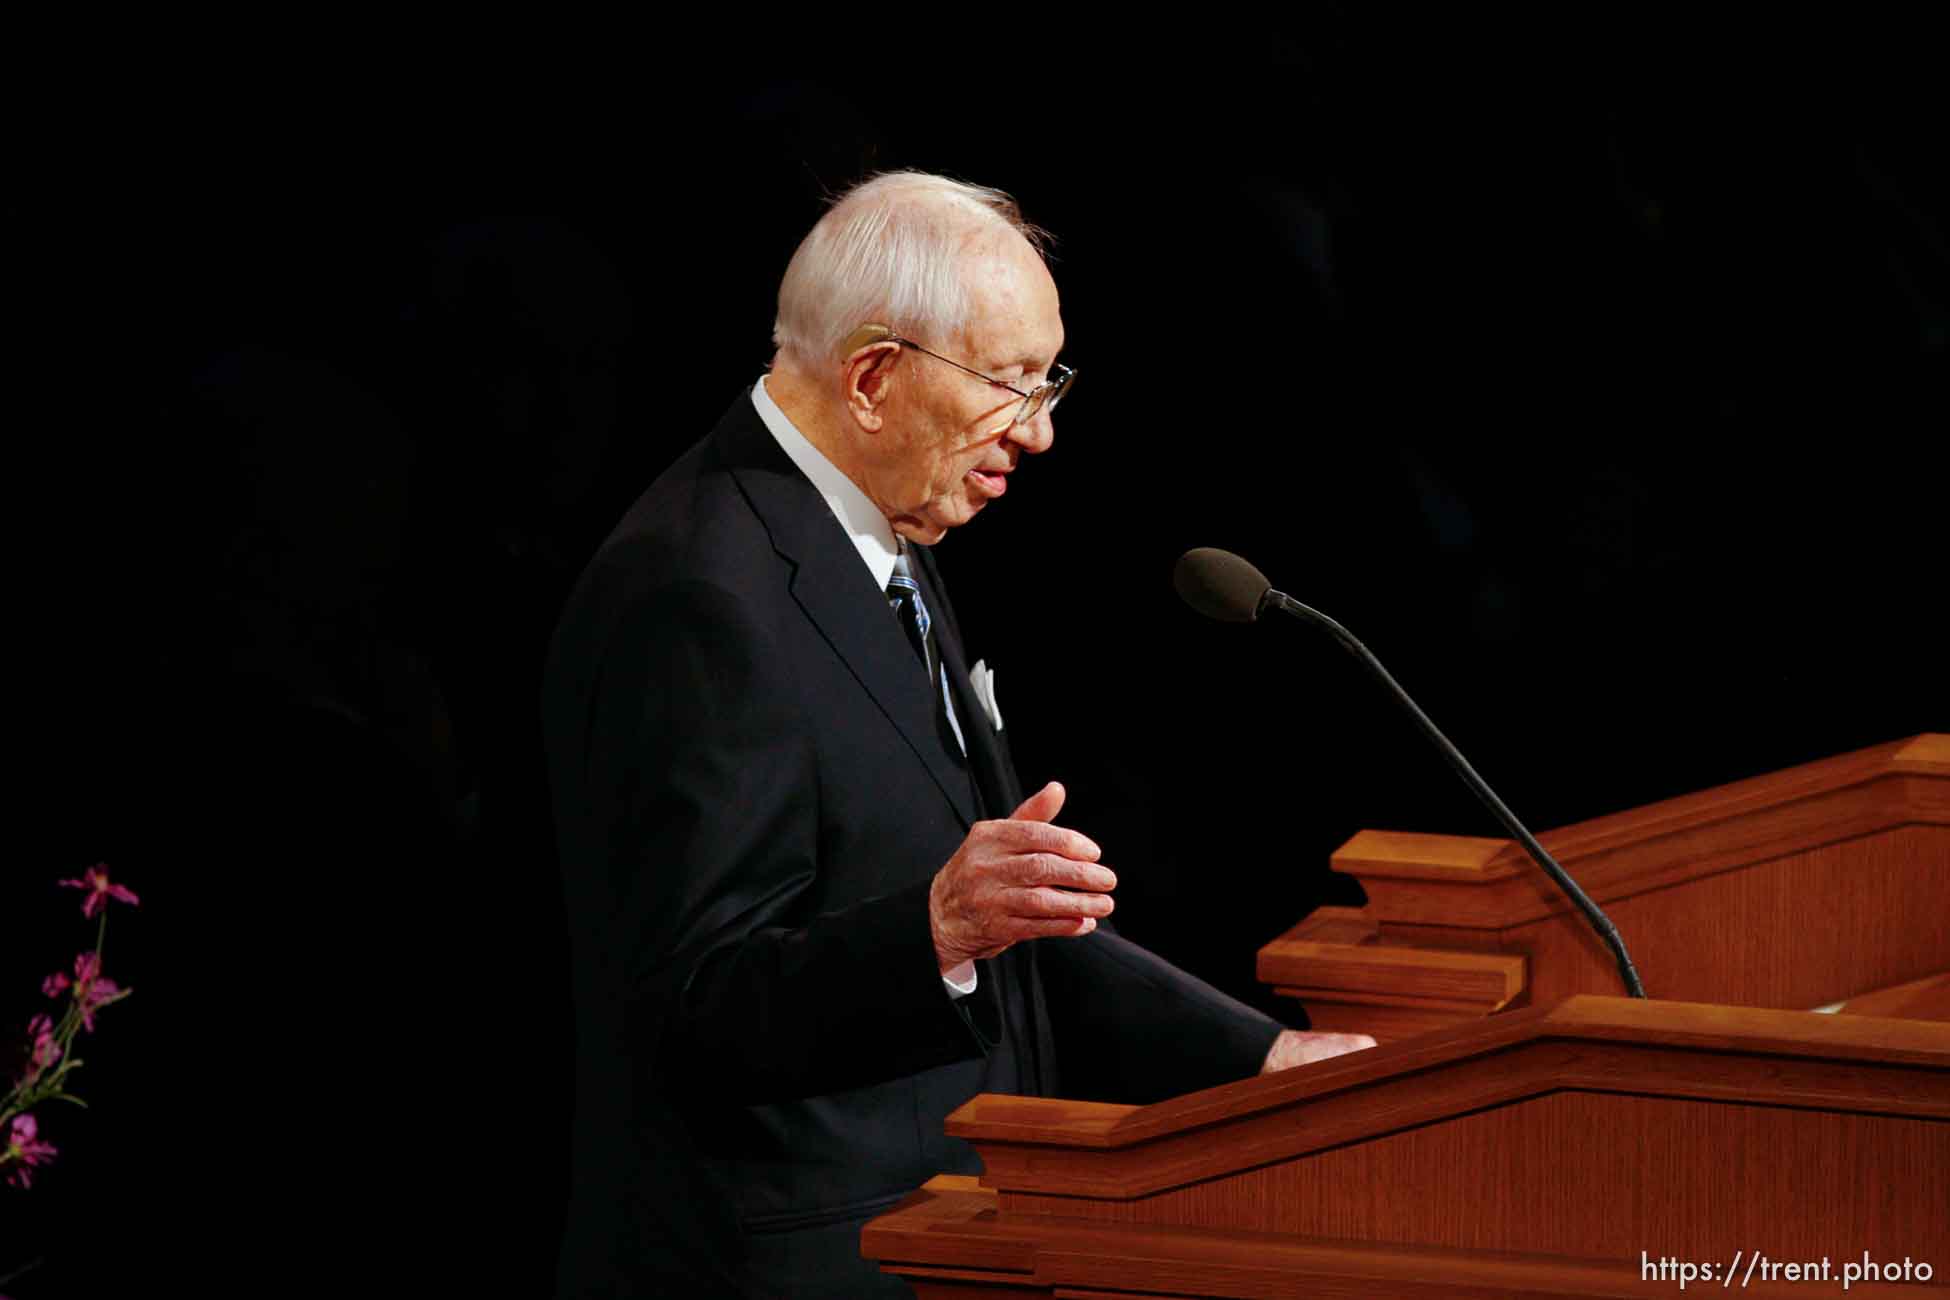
x=872, y=535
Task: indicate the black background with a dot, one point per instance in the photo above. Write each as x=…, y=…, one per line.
x=1603, y=394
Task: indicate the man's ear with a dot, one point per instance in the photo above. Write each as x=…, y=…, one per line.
x=866, y=375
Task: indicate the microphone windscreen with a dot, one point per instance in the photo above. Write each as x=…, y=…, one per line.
x=1218, y=584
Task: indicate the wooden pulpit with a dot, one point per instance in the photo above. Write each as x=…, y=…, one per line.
x=1520, y=1131
x=1596, y=1147
x=1821, y=884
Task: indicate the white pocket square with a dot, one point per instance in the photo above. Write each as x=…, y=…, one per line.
x=983, y=680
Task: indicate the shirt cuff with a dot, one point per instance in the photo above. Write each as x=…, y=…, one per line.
x=956, y=990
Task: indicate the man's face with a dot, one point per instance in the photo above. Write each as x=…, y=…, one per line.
x=948, y=444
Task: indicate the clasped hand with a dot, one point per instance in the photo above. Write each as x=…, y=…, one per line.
x=1021, y=878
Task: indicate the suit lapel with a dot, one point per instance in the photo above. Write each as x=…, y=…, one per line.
x=987, y=752
x=836, y=592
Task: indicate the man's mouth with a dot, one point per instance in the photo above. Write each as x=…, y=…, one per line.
x=992, y=482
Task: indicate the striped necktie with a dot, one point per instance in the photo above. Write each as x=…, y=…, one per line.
x=904, y=596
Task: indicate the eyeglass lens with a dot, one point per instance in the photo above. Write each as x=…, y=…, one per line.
x=1045, y=397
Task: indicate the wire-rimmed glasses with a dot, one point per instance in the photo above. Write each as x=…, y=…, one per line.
x=1043, y=397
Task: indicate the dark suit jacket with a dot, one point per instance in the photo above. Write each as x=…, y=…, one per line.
x=752, y=797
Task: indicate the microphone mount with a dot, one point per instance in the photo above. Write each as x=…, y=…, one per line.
x=1607, y=932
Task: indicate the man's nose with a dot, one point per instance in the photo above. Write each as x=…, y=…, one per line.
x=1034, y=435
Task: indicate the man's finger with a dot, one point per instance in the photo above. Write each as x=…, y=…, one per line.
x=1059, y=902
x=1065, y=928
x=1066, y=872
x=1041, y=837
x=1041, y=806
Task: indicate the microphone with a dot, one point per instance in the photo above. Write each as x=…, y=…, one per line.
x=1220, y=585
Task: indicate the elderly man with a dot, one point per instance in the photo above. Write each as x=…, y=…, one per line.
x=812, y=912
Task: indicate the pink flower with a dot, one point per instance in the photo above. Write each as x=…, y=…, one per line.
x=45, y=1051
x=100, y=992
x=23, y=1146
x=100, y=889
x=91, y=990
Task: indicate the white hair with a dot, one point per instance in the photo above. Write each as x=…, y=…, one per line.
x=890, y=251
